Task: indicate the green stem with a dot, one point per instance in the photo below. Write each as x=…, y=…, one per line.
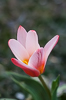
x=45, y=86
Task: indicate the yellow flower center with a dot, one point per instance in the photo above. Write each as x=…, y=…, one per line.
x=25, y=61
x=41, y=69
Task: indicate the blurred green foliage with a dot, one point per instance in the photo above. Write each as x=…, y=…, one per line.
x=48, y=18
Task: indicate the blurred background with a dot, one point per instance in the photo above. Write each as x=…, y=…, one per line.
x=47, y=18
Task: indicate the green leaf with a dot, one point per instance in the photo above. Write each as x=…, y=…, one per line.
x=61, y=89
x=30, y=85
x=54, y=88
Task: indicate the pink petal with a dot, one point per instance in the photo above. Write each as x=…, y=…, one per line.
x=21, y=35
x=32, y=42
x=49, y=46
x=18, y=50
x=27, y=69
x=37, y=60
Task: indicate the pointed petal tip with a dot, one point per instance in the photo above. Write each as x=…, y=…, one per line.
x=9, y=42
x=57, y=36
x=33, y=31
x=12, y=59
x=20, y=27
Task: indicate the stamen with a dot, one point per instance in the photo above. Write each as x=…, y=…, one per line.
x=25, y=61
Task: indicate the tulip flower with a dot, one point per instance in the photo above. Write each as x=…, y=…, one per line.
x=29, y=55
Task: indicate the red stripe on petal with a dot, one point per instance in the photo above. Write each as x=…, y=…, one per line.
x=37, y=60
x=27, y=69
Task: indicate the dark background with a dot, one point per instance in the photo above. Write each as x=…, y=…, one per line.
x=47, y=18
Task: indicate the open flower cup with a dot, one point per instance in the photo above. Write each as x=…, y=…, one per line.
x=29, y=55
